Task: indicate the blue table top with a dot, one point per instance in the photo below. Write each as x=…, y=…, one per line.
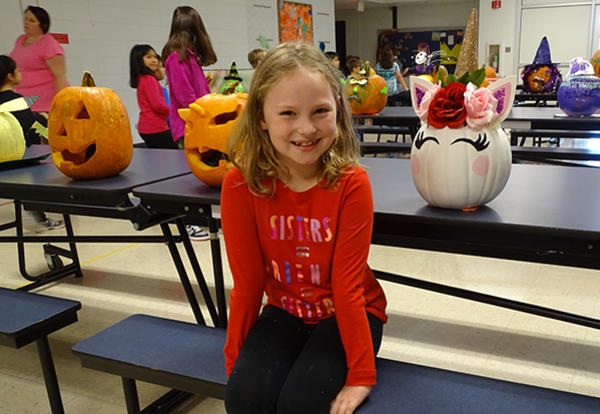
x=147, y=166
x=23, y=315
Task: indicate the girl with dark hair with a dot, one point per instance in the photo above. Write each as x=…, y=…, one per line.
x=40, y=58
x=154, y=111
x=187, y=50
x=388, y=69
x=10, y=77
x=184, y=54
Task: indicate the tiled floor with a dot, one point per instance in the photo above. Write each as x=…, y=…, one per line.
x=423, y=328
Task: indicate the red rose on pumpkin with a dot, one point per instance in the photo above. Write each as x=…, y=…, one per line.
x=448, y=107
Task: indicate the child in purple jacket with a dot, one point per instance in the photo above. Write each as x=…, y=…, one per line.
x=187, y=50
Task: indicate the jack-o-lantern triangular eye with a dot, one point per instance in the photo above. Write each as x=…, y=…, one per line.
x=225, y=117
x=62, y=132
x=82, y=113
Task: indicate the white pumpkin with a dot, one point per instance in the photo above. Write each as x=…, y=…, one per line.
x=462, y=168
x=12, y=141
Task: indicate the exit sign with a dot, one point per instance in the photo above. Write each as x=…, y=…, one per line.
x=496, y=4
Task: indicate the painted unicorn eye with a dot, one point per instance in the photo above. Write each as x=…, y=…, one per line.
x=480, y=144
x=420, y=140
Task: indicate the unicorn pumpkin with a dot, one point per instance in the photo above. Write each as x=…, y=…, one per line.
x=461, y=157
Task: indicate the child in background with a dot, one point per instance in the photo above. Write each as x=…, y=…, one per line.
x=353, y=63
x=154, y=111
x=297, y=216
x=335, y=61
x=187, y=50
x=10, y=76
x=255, y=56
x=389, y=70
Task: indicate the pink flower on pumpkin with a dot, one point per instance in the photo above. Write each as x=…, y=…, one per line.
x=481, y=106
x=426, y=101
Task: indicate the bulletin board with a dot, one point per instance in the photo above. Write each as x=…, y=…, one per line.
x=295, y=22
x=407, y=44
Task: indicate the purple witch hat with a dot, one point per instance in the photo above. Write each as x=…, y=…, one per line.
x=546, y=81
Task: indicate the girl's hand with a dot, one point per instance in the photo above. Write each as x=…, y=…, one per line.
x=349, y=397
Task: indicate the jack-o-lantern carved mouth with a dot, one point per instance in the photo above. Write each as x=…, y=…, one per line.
x=213, y=157
x=80, y=157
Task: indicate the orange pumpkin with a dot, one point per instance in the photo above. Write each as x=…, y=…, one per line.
x=207, y=125
x=88, y=131
x=596, y=62
x=366, y=94
x=490, y=73
x=538, y=79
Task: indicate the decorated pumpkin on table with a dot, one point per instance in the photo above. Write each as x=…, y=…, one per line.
x=12, y=139
x=542, y=76
x=88, y=131
x=366, y=92
x=490, y=76
x=207, y=124
x=461, y=157
x=596, y=62
x=579, y=93
x=232, y=82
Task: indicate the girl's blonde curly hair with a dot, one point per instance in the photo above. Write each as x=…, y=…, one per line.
x=250, y=148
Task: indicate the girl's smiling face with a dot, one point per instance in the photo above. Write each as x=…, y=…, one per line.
x=151, y=60
x=300, y=117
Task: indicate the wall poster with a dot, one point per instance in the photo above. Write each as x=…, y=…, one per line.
x=295, y=22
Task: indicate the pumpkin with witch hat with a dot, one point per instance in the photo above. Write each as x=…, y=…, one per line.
x=232, y=83
x=542, y=76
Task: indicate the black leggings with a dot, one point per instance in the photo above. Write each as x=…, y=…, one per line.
x=162, y=139
x=287, y=366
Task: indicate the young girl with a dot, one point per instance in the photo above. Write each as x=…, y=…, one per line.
x=186, y=51
x=10, y=76
x=297, y=213
x=388, y=69
x=154, y=111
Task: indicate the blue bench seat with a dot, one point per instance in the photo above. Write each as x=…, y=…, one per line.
x=190, y=358
x=29, y=317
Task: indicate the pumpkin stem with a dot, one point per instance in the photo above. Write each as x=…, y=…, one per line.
x=88, y=80
x=368, y=68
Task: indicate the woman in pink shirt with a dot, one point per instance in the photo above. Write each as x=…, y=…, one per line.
x=154, y=111
x=40, y=58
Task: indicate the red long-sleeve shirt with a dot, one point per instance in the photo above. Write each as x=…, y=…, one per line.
x=154, y=110
x=308, y=252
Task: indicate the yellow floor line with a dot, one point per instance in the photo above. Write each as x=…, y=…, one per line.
x=89, y=261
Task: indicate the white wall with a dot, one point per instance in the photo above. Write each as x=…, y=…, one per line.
x=497, y=26
x=362, y=27
x=102, y=32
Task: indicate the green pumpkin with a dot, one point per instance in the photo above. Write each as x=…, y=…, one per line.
x=12, y=140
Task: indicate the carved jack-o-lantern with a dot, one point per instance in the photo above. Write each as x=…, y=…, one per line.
x=207, y=125
x=463, y=167
x=88, y=131
x=366, y=94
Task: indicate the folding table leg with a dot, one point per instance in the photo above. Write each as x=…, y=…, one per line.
x=55, y=274
x=183, y=277
x=187, y=244
x=131, y=396
x=49, y=372
x=215, y=248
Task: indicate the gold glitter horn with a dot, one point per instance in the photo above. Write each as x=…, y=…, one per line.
x=467, y=60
